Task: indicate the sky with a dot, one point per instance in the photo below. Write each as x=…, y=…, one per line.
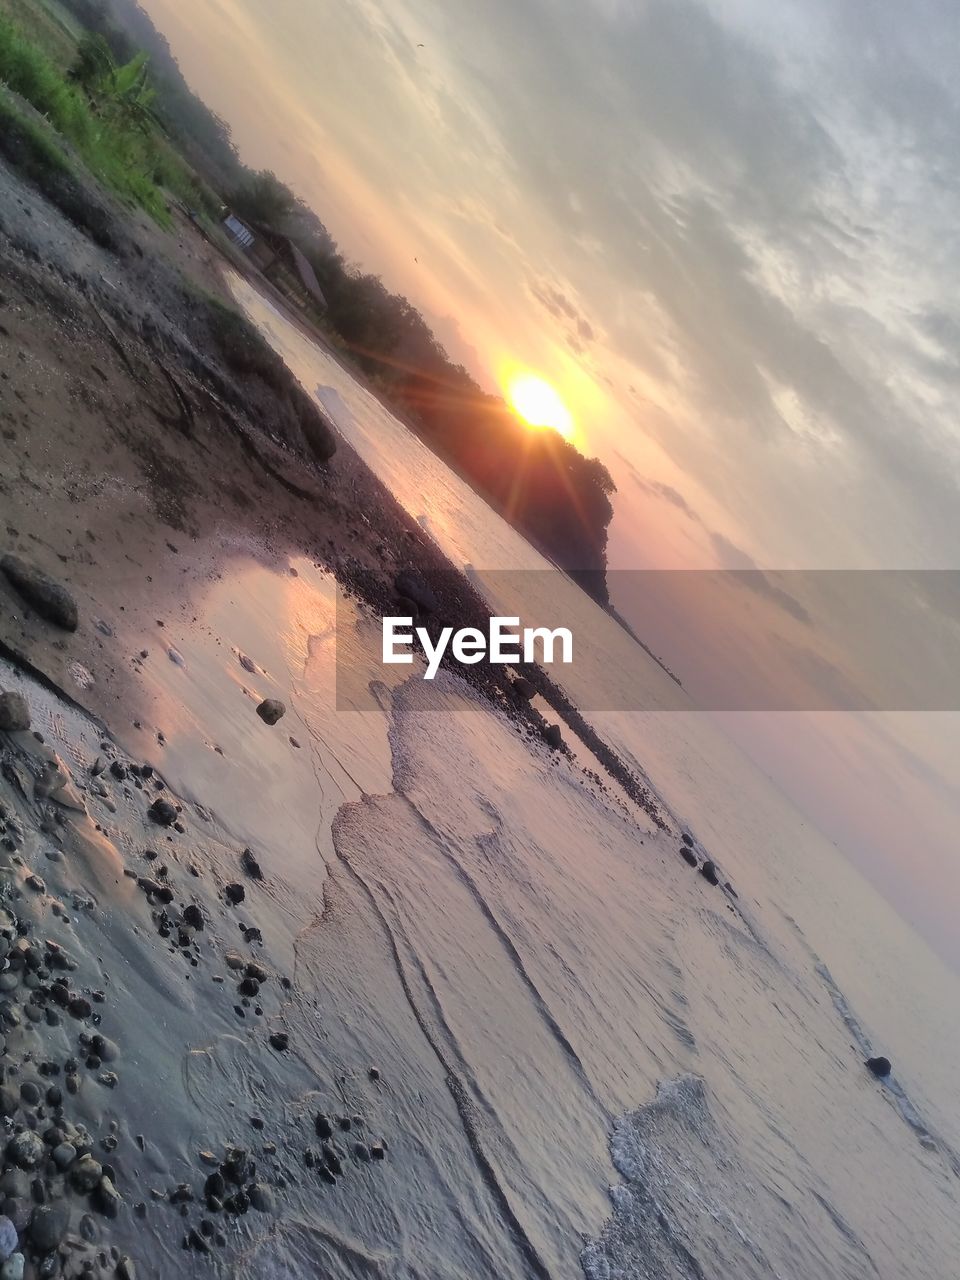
x=727, y=231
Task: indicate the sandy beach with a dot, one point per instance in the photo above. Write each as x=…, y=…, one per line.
x=166, y=1084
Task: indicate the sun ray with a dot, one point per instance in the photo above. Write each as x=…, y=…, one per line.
x=539, y=404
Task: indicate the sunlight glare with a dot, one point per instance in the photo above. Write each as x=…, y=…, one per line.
x=539, y=404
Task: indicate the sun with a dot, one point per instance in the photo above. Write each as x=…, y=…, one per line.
x=539, y=404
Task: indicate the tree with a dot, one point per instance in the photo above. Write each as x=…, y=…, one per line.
x=263, y=198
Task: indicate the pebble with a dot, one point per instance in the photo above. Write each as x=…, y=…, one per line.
x=108, y=1199
x=261, y=1197
x=250, y=865
x=234, y=894
x=86, y=1174
x=13, y=1268
x=48, y=1224
x=271, y=710
x=64, y=1155
x=280, y=1041
x=25, y=1150
x=162, y=812
x=14, y=713
x=8, y=1238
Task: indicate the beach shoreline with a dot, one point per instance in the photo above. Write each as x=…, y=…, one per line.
x=151, y=498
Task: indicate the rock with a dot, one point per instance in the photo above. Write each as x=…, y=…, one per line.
x=249, y=987
x=361, y=1151
x=374, y=1073
x=26, y=1149
x=250, y=865
x=318, y=434
x=880, y=1067
x=162, y=812
x=14, y=713
x=64, y=1155
x=51, y=600
x=261, y=1197
x=248, y=664
x=234, y=894
x=126, y=1270
x=271, y=710
x=687, y=854
x=553, y=737
x=280, y=1041
x=107, y=1198
x=410, y=584
x=234, y=960
x=687, y=839
x=323, y=1126
x=523, y=688
x=86, y=1174
x=13, y=1268
x=48, y=1225
x=193, y=916
x=378, y=1151
x=709, y=873
x=8, y=1238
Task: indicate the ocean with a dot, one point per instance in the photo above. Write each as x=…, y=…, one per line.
x=600, y=1064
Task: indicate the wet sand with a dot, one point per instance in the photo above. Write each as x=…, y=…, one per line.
x=171, y=1100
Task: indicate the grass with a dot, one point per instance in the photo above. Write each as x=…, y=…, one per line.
x=47, y=26
x=32, y=150
x=137, y=165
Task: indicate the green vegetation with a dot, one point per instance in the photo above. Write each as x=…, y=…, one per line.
x=105, y=117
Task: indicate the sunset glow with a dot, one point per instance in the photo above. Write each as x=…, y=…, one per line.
x=539, y=404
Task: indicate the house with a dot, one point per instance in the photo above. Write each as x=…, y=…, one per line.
x=280, y=260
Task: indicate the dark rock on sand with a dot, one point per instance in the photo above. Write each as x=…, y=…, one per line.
x=410, y=584
x=271, y=710
x=86, y=1174
x=687, y=854
x=26, y=1149
x=48, y=1225
x=193, y=916
x=162, y=812
x=47, y=596
x=523, y=688
x=250, y=865
x=234, y=894
x=107, y=1198
x=318, y=434
x=261, y=1197
x=553, y=737
x=280, y=1041
x=323, y=1126
x=14, y=713
x=709, y=873
x=687, y=839
x=880, y=1067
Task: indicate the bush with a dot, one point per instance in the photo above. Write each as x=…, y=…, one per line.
x=119, y=157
